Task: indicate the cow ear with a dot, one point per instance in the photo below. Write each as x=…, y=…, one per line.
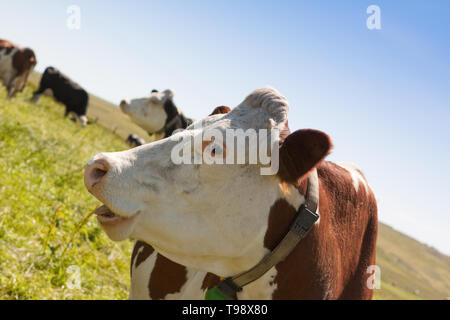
x=220, y=110
x=302, y=151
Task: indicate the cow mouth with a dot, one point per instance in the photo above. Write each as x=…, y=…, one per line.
x=107, y=217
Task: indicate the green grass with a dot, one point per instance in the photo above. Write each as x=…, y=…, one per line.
x=46, y=227
x=45, y=221
x=391, y=292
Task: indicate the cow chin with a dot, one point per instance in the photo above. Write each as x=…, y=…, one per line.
x=118, y=230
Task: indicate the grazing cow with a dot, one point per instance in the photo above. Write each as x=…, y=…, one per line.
x=157, y=114
x=16, y=64
x=135, y=141
x=198, y=222
x=69, y=93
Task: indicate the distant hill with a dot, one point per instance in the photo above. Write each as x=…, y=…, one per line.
x=409, y=269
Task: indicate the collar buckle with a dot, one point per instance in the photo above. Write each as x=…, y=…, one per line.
x=304, y=221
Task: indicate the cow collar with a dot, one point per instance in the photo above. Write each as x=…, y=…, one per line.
x=302, y=224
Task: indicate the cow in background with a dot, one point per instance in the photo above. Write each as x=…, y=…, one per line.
x=16, y=64
x=66, y=91
x=156, y=113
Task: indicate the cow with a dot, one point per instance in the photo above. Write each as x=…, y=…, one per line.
x=66, y=91
x=196, y=223
x=16, y=64
x=156, y=113
x=134, y=140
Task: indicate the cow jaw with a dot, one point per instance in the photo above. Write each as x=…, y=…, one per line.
x=118, y=228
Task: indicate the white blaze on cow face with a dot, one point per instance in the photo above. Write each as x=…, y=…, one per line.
x=148, y=112
x=208, y=217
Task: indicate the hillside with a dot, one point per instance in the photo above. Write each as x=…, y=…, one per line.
x=46, y=227
x=410, y=269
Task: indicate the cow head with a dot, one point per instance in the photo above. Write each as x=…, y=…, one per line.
x=212, y=217
x=149, y=112
x=24, y=60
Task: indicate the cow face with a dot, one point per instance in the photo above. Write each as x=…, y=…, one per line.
x=212, y=217
x=24, y=61
x=30, y=58
x=148, y=112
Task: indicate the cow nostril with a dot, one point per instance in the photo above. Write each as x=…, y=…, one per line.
x=95, y=172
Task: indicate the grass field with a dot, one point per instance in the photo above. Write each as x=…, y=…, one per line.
x=46, y=229
x=43, y=206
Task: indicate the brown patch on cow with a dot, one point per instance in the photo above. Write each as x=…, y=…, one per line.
x=220, y=110
x=167, y=277
x=24, y=60
x=142, y=255
x=6, y=44
x=280, y=218
x=210, y=280
x=331, y=262
x=300, y=152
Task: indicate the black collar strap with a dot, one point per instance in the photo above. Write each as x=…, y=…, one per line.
x=302, y=224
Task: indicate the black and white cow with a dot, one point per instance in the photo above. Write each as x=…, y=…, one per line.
x=16, y=64
x=156, y=113
x=66, y=91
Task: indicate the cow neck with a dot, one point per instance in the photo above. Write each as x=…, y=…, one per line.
x=173, y=116
x=301, y=225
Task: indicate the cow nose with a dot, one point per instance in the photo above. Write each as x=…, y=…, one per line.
x=94, y=173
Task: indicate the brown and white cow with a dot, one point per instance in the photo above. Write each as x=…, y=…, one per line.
x=16, y=64
x=198, y=222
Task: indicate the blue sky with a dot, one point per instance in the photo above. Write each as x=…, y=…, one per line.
x=382, y=95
